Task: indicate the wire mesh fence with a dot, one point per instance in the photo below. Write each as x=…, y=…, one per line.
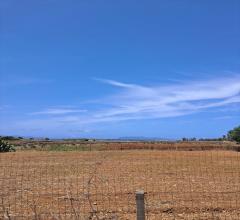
x=178, y=184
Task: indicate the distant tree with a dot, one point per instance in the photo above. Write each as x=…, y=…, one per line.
x=234, y=134
x=47, y=139
x=8, y=138
x=184, y=139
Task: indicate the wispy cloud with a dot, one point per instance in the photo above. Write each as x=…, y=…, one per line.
x=146, y=102
x=137, y=102
x=140, y=102
x=118, y=84
x=58, y=111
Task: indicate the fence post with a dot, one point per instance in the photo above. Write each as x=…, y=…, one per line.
x=140, y=205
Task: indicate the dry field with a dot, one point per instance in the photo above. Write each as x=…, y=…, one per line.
x=102, y=184
x=134, y=145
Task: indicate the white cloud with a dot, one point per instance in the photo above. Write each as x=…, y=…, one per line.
x=58, y=111
x=136, y=102
x=118, y=84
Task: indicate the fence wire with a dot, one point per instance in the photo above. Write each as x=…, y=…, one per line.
x=178, y=184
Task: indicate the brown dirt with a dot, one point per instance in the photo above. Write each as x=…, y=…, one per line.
x=102, y=184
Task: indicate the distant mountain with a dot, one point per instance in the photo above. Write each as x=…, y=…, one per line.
x=142, y=138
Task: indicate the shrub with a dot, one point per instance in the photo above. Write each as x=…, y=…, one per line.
x=234, y=135
x=6, y=147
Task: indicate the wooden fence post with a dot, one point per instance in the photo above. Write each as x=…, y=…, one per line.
x=140, y=205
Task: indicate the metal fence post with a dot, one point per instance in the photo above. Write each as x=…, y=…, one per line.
x=140, y=205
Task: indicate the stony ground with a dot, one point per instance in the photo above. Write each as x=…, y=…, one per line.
x=102, y=184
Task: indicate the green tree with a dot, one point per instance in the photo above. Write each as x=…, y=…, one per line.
x=234, y=134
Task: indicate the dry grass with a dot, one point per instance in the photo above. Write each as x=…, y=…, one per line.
x=102, y=184
x=78, y=145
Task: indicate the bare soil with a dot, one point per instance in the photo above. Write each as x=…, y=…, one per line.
x=102, y=184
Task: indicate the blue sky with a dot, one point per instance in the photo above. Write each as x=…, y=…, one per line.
x=108, y=69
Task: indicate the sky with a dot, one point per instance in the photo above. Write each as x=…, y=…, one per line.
x=109, y=69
